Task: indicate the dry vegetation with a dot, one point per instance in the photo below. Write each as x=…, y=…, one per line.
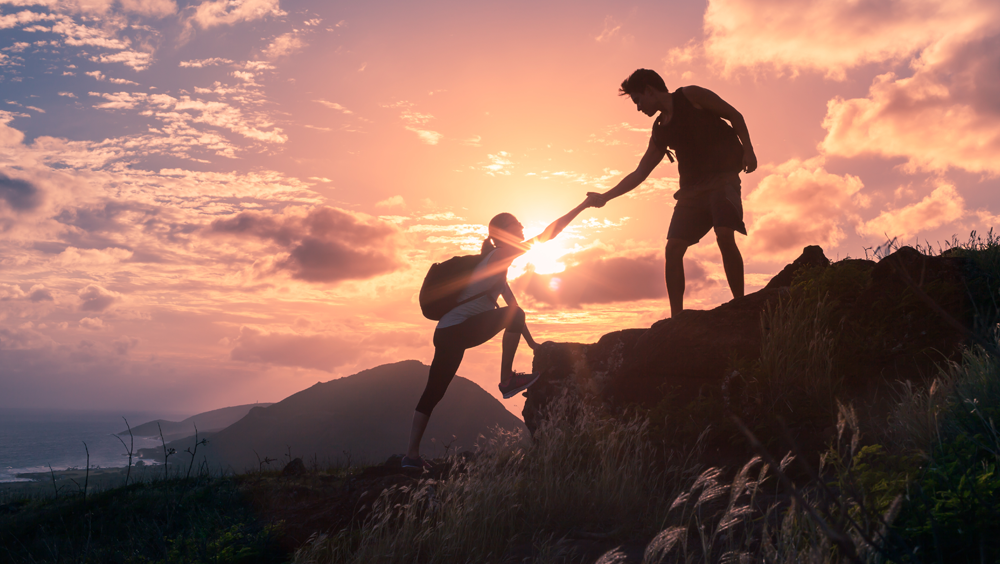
x=917, y=483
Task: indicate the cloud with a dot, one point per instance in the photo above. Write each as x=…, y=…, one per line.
x=319, y=351
x=227, y=12
x=832, y=37
x=124, y=344
x=323, y=245
x=394, y=201
x=39, y=293
x=96, y=298
x=19, y=195
x=944, y=116
x=92, y=323
x=334, y=106
x=500, y=163
x=610, y=30
x=427, y=136
x=201, y=63
x=800, y=204
x=598, y=279
x=156, y=8
x=135, y=59
x=942, y=206
x=284, y=45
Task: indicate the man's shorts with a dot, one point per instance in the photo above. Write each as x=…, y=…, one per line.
x=715, y=203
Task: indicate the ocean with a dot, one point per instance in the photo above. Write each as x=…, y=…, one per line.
x=33, y=439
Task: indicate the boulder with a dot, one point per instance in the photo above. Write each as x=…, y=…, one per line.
x=812, y=256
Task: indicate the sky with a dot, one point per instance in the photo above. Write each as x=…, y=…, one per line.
x=215, y=202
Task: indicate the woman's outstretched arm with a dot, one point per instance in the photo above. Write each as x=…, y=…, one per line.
x=556, y=227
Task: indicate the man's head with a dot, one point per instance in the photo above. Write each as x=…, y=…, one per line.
x=645, y=87
x=637, y=82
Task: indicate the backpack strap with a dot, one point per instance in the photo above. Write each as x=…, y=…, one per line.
x=486, y=291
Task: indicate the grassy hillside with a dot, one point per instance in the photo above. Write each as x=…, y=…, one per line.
x=913, y=478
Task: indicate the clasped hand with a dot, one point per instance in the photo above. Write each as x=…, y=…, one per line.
x=595, y=200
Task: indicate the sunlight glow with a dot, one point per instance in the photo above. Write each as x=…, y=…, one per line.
x=545, y=258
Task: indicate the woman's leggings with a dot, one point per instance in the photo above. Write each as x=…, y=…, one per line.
x=450, y=344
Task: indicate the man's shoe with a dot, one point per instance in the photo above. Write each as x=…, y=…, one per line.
x=518, y=383
x=417, y=462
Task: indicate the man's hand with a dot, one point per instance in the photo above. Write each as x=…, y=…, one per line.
x=749, y=160
x=596, y=200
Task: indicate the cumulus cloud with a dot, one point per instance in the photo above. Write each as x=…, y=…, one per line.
x=284, y=45
x=319, y=351
x=135, y=59
x=124, y=344
x=227, y=12
x=943, y=116
x=941, y=207
x=596, y=279
x=156, y=8
x=324, y=244
x=394, y=201
x=832, y=37
x=201, y=63
x=39, y=293
x=18, y=195
x=800, y=204
x=92, y=323
x=96, y=298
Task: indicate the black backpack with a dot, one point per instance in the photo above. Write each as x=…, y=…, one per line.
x=445, y=282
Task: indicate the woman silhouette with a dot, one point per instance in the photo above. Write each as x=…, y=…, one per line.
x=474, y=322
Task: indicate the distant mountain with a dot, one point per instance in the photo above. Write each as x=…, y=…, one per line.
x=365, y=417
x=208, y=422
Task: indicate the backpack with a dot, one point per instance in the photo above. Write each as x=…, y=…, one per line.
x=445, y=282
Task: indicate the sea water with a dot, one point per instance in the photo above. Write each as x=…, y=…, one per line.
x=31, y=439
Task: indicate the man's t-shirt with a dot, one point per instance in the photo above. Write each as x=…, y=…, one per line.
x=705, y=144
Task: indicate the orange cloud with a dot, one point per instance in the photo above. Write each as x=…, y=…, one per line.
x=96, y=298
x=800, y=204
x=324, y=245
x=832, y=37
x=942, y=117
x=941, y=207
x=227, y=12
x=597, y=279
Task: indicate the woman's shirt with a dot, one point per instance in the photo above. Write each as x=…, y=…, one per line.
x=495, y=283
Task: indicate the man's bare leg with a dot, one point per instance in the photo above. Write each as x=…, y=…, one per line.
x=732, y=260
x=674, y=273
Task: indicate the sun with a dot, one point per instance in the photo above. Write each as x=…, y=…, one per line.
x=545, y=258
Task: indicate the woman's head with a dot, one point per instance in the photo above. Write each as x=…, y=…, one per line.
x=505, y=229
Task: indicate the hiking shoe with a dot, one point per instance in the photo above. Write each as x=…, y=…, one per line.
x=518, y=383
x=417, y=462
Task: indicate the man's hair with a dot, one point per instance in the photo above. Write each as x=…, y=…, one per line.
x=637, y=82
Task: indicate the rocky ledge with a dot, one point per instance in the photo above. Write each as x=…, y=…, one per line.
x=876, y=318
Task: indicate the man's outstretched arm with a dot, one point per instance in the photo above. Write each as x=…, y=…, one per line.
x=707, y=100
x=650, y=159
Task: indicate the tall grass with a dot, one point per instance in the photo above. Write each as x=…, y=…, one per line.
x=585, y=474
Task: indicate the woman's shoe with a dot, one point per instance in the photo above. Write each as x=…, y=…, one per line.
x=417, y=462
x=518, y=382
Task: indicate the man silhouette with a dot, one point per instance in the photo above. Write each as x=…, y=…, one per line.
x=710, y=155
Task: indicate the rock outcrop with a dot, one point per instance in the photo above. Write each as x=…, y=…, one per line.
x=880, y=331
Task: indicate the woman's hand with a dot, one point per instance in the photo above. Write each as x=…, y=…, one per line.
x=595, y=200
